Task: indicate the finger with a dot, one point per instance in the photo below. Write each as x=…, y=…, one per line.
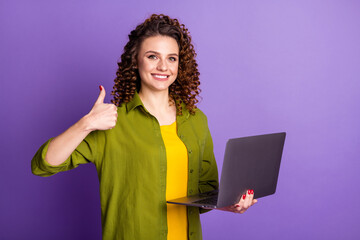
x=101, y=97
x=239, y=206
x=251, y=199
x=115, y=111
x=247, y=202
x=251, y=196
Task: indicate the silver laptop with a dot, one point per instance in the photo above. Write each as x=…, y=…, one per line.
x=249, y=163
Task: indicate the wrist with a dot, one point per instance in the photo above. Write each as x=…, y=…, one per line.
x=84, y=124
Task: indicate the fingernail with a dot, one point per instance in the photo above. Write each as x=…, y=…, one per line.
x=252, y=191
x=244, y=196
x=100, y=88
x=249, y=191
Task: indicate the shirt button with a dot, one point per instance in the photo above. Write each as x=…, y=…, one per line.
x=190, y=151
x=191, y=191
x=191, y=170
x=191, y=233
x=181, y=136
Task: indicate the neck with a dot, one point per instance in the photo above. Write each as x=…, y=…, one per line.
x=155, y=101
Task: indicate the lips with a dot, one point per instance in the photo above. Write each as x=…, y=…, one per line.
x=160, y=77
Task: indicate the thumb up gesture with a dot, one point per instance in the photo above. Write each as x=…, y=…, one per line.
x=102, y=116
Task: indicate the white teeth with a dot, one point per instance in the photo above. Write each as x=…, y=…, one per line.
x=160, y=76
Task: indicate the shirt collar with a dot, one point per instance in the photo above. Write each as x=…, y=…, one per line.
x=185, y=114
x=136, y=101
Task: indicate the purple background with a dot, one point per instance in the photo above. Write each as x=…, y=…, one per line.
x=266, y=66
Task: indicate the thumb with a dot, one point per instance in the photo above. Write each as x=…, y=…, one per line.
x=101, y=95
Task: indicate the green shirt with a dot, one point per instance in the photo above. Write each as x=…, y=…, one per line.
x=131, y=163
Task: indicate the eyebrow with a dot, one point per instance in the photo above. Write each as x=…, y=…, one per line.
x=171, y=54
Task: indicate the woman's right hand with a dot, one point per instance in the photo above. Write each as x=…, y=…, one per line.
x=102, y=116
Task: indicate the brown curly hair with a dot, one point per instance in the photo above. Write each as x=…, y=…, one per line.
x=185, y=88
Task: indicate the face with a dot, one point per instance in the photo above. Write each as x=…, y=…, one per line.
x=158, y=62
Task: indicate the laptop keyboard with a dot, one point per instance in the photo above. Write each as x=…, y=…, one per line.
x=209, y=201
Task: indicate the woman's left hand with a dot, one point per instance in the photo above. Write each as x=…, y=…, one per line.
x=245, y=202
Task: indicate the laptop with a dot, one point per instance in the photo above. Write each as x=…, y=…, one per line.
x=249, y=163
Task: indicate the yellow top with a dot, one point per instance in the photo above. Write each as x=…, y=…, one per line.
x=176, y=181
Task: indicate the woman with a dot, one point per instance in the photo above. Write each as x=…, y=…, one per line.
x=150, y=145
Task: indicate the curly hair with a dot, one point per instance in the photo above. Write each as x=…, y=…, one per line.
x=185, y=88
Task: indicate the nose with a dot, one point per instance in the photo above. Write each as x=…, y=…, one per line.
x=162, y=66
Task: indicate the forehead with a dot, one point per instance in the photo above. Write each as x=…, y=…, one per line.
x=161, y=44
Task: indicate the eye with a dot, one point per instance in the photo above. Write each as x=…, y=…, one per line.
x=152, y=56
x=173, y=59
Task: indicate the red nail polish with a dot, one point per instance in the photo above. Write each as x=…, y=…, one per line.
x=237, y=205
x=249, y=191
x=100, y=88
x=252, y=191
x=244, y=196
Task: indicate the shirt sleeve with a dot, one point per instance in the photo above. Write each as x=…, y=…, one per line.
x=208, y=180
x=84, y=153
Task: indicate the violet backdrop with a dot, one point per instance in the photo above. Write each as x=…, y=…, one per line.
x=266, y=66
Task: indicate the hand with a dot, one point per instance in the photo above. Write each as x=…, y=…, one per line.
x=103, y=116
x=245, y=202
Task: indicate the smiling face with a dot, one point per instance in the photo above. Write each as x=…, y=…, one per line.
x=158, y=62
